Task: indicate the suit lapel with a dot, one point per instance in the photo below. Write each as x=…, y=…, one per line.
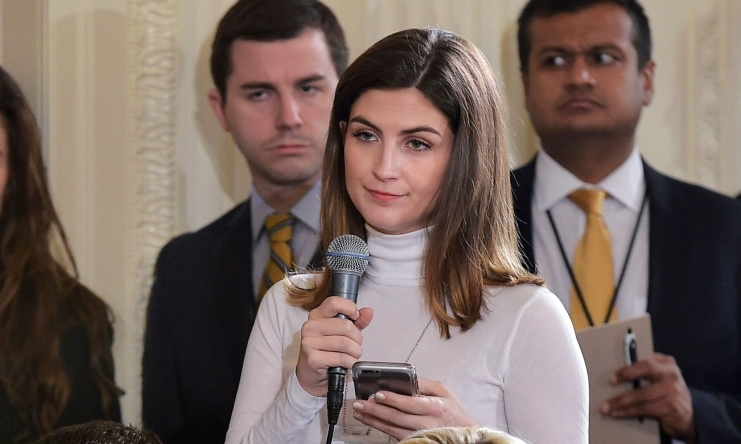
x=234, y=297
x=666, y=256
x=658, y=216
x=522, y=188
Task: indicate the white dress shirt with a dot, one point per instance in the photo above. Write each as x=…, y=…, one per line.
x=626, y=189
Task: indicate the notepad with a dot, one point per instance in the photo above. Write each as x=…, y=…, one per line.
x=604, y=352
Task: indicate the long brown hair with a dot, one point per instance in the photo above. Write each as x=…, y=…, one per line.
x=39, y=299
x=472, y=235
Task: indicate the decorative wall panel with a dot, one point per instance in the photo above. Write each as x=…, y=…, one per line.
x=154, y=58
x=124, y=186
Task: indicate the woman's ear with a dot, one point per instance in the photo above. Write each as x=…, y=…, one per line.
x=343, y=129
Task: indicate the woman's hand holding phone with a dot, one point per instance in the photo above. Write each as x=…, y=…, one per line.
x=327, y=342
x=400, y=416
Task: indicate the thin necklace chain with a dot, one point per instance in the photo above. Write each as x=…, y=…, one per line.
x=344, y=410
x=416, y=344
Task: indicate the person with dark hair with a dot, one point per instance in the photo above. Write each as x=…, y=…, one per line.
x=444, y=289
x=56, y=366
x=615, y=238
x=100, y=432
x=275, y=65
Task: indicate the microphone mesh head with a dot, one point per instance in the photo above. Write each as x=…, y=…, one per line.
x=348, y=253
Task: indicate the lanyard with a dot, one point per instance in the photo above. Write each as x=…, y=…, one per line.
x=565, y=258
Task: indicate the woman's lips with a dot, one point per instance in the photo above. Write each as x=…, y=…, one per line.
x=384, y=196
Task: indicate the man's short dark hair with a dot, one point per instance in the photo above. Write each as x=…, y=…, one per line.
x=100, y=432
x=269, y=21
x=549, y=8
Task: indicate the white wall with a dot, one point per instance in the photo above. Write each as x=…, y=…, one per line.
x=135, y=155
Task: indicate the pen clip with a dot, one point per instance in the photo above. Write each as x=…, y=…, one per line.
x=631, y=357
x=630, y=348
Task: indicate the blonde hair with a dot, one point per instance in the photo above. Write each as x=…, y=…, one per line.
x=461, y=435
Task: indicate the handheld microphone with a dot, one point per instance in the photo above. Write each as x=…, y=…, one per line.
x=347, y=258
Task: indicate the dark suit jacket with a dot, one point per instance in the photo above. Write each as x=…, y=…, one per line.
x=694, y=291
x=200, y=315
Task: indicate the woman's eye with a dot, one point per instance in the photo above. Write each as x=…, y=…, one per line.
x=365, y=136
x=419, y=144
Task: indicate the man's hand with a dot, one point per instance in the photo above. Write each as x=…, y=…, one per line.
x=666, y=398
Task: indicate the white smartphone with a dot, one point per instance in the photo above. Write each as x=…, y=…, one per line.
x=369, y=377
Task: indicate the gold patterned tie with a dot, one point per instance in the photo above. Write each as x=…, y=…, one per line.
x=593, y=268
x=279, y=228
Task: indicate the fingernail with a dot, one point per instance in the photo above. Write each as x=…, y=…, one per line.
x=380, y=396
x=358, y=416
x=357, y=406
x=357, y=315
x=605, y=408
x=371, y=397
x=613, y=380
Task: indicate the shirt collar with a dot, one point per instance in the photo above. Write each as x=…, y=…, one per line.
x=306, y=210
x=553, y=182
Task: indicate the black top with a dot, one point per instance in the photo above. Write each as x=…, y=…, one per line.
x=84, y=404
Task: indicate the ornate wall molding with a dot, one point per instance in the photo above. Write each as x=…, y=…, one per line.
x=714, y=112
x=732, y=126
x=165, y=106
x=153, y=57
x=706, y=106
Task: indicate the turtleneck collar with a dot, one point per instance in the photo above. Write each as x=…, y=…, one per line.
x=396, y=259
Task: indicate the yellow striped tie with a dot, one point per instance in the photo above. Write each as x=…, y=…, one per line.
x=593, y=266
x=279, y=228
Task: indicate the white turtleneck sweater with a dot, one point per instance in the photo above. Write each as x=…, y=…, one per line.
x=518, y=369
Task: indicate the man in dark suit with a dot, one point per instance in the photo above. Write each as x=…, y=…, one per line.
x=275, y=66
x=587, y=73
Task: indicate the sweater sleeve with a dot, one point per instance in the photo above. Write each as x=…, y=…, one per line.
x=546, y=390
x=271, y=406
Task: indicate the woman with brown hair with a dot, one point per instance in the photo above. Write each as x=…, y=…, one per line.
x=56, y=366
x=416, y=164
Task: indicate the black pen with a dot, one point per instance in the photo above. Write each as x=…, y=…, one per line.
x=631, y=357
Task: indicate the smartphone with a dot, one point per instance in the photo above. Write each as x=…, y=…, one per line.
x=370, y=377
